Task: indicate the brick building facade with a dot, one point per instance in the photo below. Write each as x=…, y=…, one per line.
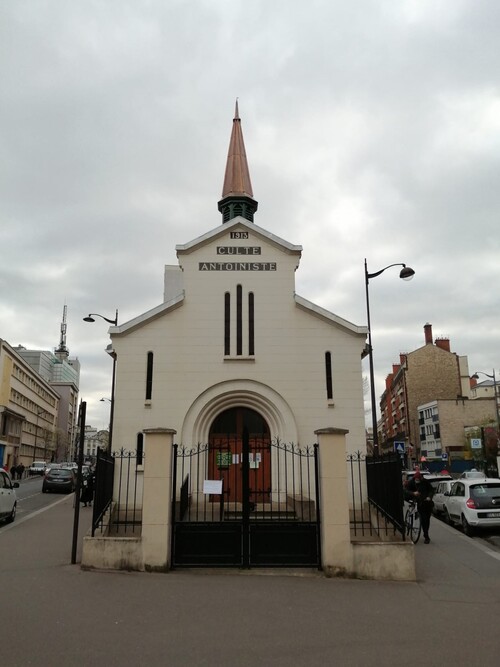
x=443, y=424
x=428, y=373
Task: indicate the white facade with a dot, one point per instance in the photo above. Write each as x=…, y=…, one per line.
x=194, y=379
x=234, y=367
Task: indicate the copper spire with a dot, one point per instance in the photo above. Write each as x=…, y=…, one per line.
x=237, y=186
x=237, y=177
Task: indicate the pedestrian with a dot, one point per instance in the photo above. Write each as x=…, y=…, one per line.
x=87, y=491
x=420, y=490
x=20, y=471
x=13, y=472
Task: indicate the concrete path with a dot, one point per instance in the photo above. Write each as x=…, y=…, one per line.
x=56, y=615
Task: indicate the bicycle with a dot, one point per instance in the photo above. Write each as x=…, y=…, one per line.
x=412, y=524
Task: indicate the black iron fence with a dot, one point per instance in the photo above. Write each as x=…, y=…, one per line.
x=118, y=493
x=281, y=481
x=245, y=502
x=376, y=507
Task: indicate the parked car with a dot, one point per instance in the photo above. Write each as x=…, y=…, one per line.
x=8, y=498
x=433, y=478
x=473, y=504
x=51, y=466
x=37, y=468
x=71, y=466
x=59, y=479
x=473, y=474
x=443, y=487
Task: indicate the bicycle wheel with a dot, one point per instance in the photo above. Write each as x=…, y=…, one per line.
x=408, y=522
x=412, y=525
x=416, y=528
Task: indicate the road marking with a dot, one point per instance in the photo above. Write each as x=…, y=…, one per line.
x=19, y=500
x=33, y=514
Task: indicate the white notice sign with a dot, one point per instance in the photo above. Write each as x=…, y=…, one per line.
x=213, y=486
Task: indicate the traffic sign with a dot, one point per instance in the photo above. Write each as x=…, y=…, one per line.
x=399, y=447
x=444, y=456
x=475, y=443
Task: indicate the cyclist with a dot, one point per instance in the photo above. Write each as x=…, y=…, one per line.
x=420, y=490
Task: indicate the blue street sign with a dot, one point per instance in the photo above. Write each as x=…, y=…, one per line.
x=444, y=456
x=399, y=447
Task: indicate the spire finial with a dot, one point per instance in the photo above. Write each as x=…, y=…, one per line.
x=236, y=111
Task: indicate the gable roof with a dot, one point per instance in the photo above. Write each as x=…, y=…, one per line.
x=238, y=223
x=329, y=317
x=148, y=316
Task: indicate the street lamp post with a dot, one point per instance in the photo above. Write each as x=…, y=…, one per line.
x=492, y=377
x=90, y=318
x=406, y=273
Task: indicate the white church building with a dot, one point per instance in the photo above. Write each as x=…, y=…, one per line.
x=218, y=384
x=233, y=333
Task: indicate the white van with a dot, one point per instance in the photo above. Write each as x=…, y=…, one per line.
x=37, y=468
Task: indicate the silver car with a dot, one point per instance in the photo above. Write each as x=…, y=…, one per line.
x=442, y=490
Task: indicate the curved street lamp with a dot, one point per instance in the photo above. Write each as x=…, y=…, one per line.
x=406, y=273
x=90, y=318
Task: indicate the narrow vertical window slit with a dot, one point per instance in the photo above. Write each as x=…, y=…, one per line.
x=251, y=335
x=239, y=320
x=227, y=323
x=149, y=376
x=328, y=371
x=139, y=452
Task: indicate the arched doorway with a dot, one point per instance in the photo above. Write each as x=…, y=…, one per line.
x=234, y=434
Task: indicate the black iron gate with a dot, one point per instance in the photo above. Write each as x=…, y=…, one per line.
x=257, y=508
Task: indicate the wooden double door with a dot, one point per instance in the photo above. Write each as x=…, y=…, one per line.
x=240, y=455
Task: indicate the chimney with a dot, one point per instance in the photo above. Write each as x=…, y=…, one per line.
x=428, y=333
x=443, y=343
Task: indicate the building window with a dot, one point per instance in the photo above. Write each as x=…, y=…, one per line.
x=251, y=330
x=328, y=372
x=243, y=338
x=227, y=323
x=239, y=320
x=139, y=452
x=149, y=376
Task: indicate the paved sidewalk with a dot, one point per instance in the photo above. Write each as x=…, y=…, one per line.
x=56, y=615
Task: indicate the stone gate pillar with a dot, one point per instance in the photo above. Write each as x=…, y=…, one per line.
x=156, y=507
x=336, y=549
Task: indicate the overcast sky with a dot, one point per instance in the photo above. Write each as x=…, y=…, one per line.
x=372, y=129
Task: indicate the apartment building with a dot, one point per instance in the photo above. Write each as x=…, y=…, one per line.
x=428, y=373
x=29, y=408
x=444, y=423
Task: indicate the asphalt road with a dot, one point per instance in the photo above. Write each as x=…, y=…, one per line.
x=54, y=614
x=30, y=497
